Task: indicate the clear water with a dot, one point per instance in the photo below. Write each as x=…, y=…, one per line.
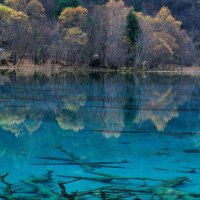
x=106, y=136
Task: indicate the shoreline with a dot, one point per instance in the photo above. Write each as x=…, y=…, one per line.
x=52, y=69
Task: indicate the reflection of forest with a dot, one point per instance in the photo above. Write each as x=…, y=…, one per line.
x=107, y=103
x=22, y=120
x=161, y=98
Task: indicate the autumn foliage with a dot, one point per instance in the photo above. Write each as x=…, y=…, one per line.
x=163, y=39
x=73, y=16
x=118, y=34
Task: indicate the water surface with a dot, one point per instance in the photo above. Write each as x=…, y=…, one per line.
x=99, y=136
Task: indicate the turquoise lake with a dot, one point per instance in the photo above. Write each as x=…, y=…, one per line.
x=100, y=136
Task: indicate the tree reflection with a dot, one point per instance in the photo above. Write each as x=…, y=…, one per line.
x=160, y=109
x=73, y=103
x=20, y=121
x=70, y=121
x=110, y=104
x=161, y=99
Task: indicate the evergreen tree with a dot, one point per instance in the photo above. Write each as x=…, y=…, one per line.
x=133, y=27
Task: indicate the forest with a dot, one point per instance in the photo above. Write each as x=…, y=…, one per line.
x=98, y=33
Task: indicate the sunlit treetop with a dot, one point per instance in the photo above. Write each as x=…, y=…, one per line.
x=62, y=4
x=73, y=16
x=9, y=14
x=19, y=5
x=113, y=2
x=166, y=15
x=75, y=35
x=36, y=10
